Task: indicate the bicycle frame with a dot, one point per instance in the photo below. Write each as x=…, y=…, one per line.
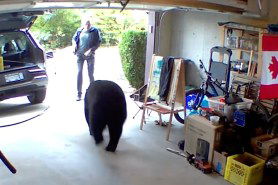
x=210, y=82
x=194, y=97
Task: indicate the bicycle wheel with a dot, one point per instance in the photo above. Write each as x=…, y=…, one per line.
x=273, y=124
x=259, y=117
x=190, y=103
x=261, y=109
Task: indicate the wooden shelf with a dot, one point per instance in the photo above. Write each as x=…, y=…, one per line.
x=244, y=31
x=244, y=75
x=244, y=50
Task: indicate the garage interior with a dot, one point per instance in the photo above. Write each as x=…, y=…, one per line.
x=56, y=148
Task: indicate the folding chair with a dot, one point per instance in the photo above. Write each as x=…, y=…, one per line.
x=175, y=100
x=139, y=97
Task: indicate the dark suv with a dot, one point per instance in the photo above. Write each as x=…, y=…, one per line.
x=24, y=73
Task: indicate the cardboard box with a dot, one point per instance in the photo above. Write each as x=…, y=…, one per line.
x=219, y=162
x=265, y=145
x=268, y=148
x=201, y=137
x=255, y=140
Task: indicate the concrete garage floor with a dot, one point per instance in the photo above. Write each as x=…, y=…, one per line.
x=56, y=148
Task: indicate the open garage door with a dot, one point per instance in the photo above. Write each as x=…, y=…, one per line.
x=254, y=7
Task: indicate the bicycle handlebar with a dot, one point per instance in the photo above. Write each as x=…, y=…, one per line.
x=207, y=73
x=210, y=78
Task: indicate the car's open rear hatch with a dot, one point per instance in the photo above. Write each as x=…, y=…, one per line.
x=18, y=20
x=16, y=72
x=13, y=66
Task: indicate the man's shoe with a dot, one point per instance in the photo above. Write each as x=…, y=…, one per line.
x=78, y=98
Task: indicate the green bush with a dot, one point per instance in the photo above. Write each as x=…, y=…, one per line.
x=109, y=38
x=112, y=23
x=133, y=55
x=109, y=25
x=55, y=30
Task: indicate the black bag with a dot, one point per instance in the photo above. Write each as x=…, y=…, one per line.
x=272, y=28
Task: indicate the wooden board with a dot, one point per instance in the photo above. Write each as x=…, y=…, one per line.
x=177, y=89
x=177, y=84
x=154, y=76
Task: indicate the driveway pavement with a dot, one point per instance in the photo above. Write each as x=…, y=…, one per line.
x=63, y=69
x=61, y=91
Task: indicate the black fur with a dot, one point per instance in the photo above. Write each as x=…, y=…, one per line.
x=105, y=104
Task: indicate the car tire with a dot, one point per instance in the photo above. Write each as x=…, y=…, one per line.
x=37, y=96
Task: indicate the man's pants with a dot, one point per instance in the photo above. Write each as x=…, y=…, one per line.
x=90, y=66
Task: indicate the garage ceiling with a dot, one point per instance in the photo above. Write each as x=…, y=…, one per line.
x=230, y=6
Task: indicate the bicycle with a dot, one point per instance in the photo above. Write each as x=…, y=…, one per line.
x=194, y=98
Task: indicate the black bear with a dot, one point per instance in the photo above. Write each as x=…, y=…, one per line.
x=105, y=104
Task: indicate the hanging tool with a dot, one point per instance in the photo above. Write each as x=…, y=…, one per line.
x=7, y=163
x=176, y=152
x=124, y=4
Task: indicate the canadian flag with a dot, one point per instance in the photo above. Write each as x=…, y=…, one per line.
x=269, y=79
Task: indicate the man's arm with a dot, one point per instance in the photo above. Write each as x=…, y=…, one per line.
x=96, y=44
x=97, y=40
x=74, y=41
x=74, y=37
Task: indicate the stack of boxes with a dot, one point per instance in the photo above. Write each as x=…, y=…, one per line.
x=202, y=138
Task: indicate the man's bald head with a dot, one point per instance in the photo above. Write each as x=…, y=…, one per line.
x=87, y=24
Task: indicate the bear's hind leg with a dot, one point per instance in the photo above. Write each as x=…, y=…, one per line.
x=96, y=128
x=88, y=122
x=115, y=133
x=97, y=134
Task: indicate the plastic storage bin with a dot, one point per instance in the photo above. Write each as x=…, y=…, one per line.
x=246, y=104
x=216, y=104
x=244, y=169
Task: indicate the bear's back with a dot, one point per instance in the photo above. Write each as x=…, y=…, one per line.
x=107, y=96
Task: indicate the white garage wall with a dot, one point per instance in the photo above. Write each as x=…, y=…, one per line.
x=194, y=34
x=164, y=34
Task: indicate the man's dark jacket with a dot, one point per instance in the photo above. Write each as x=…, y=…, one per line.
x=95, y=39
x=165, y=77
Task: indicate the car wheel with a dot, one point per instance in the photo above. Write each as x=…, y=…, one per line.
x=196, y=166
x=37, y=96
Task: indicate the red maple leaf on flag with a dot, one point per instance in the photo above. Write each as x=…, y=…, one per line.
x=273, y=67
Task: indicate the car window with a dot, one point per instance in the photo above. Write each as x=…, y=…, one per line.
x=21, y=43
x=9, y=47
x=13, y=42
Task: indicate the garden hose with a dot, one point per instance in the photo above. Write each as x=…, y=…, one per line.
x=33, y=117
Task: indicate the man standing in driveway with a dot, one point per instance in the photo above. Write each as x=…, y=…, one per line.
x=86, y=40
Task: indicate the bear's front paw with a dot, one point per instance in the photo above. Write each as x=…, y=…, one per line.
x=110, y=149
x=98, y=140
x=91, y=133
